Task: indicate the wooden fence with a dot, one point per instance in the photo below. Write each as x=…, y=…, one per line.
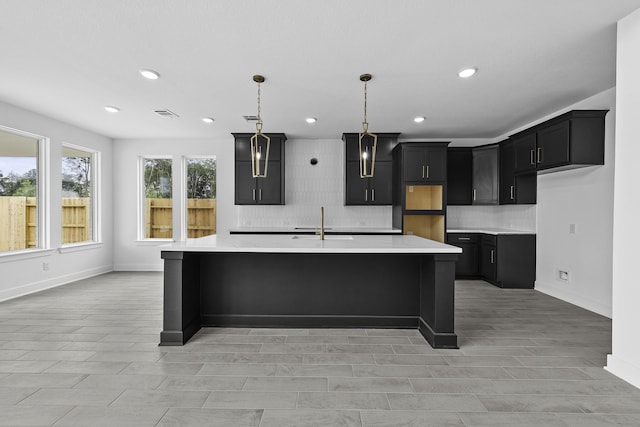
x=18, y=220
x=201, y=218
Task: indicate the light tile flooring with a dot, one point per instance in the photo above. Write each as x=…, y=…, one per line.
x=86, y=354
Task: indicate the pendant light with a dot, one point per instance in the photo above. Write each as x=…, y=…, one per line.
x=367, y=141
x=260, y=143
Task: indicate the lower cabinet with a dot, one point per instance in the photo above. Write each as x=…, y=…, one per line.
x=505, y=260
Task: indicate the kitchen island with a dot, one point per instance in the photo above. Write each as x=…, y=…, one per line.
x=301, y=281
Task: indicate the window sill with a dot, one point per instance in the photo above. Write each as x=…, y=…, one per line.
x=25, y=254
x=153, y=242
x=75, y=247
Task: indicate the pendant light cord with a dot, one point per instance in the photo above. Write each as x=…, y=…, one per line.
x=365, y=125
x=259, y=122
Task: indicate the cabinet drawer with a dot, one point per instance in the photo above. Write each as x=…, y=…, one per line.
x=488, y=239
x=453, y=238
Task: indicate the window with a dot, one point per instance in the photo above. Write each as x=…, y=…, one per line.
x=79, y=198
x=201, y=196
x=22, y=191
x=157, y=217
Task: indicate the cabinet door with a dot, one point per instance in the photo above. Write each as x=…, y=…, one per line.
x=356, y=188
x=488, y=257
x=459, y=177
x=525, y=153
x=381, y=185
x=467, y=264
x=485, y=176
x=413, y=163
x=245, y=185
x=507, y=177
x=269, y=188
x=553, y=146
x=436, y=164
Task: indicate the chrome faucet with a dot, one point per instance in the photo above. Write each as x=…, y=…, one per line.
x=321, y=223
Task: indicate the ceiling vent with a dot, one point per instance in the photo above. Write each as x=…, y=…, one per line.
x=166, y=113
x=251, y=118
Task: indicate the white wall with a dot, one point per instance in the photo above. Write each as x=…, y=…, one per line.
x=131, y=254
x=625, y=358
x=20, y=276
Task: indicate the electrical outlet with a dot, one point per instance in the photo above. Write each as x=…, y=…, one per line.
x=563, y=275
x=45, y=266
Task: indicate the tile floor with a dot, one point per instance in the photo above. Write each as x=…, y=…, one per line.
x=86, y=354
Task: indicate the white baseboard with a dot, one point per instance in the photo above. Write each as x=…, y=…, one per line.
x=138, y=267
x=628, y=371
x=30, y=288
x=559, y=291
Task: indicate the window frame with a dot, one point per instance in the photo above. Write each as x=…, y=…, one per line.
x=141, y=239
x=184, y=199
x=43, y=195
x=96, y=220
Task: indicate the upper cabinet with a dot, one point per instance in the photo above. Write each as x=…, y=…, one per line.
x=459, y=176
x=571, y=140
x=259, y=191
x=369, y=191
x=515, y=189
x=486, y=175
x=424, y=162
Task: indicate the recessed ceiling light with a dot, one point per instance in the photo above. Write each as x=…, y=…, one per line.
x=150, y=74
x=111, y=109
x=467, y=72
x=207, y=119
x=419, y=119
x=311, y=120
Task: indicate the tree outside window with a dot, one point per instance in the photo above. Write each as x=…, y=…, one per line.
x=201, y=197
x=158, y=213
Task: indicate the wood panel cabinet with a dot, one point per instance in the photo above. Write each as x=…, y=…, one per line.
x=369, y=191
x=572, y=140
x=515, y=189
x=259, y=191
x=467, y=263
x=485, y=175
x=459, y=176
x=420, y=189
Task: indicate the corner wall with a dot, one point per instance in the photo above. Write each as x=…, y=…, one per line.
x=624, y=361
x=20, y=275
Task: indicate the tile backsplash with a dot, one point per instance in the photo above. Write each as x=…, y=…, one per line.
x=516, y=217
x=307, y=187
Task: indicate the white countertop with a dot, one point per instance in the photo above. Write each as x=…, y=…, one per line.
x=328, y=229
x=494, y=231
x=312, y=244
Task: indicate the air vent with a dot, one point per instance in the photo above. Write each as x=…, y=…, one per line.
x=166, y=113
x=251, y=118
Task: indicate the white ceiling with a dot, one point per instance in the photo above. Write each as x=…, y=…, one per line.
x=68, y=59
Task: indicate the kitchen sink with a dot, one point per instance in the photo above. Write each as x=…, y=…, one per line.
x=325, y=237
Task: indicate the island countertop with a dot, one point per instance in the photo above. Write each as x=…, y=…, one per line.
x=402, y=244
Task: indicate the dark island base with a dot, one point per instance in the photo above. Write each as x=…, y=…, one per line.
x=309, y=291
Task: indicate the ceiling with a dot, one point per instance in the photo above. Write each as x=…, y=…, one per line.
x=68, y=59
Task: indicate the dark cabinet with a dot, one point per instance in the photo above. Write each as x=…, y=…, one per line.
x=485, y=175
x=424, y=162
x=572, y=140
x=467, y=263
x=459, y=176
x=369, y=191
x=515, y=189
x=488, y=258
x=261, y=191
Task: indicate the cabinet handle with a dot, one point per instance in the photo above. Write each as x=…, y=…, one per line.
x=260, y=195
x=474, y=194
x=492, y=256
x=253, y=194
x=423, y=168
x=539, y=154
x=427, y=171
x=512, y=196
x=464, y=238
x=532, y=157
x=366, y=195
x=373, y=194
